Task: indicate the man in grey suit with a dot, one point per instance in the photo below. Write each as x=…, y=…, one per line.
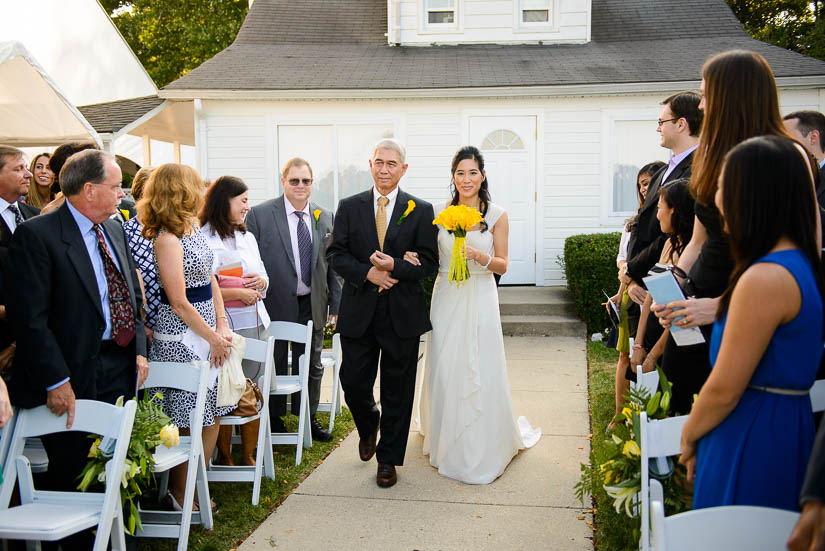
x=293, y=234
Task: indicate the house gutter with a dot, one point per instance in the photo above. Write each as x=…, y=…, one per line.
x=480, y=92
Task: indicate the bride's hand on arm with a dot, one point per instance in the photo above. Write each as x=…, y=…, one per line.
x=412, y=258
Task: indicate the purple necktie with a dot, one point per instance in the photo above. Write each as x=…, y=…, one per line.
x=304, y=250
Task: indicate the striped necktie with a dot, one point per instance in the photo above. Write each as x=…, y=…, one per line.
x=304, y=250
x=381, y=220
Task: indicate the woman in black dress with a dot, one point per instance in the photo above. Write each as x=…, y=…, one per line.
x=740, y=101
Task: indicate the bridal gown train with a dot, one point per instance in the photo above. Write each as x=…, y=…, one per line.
x=470, y=432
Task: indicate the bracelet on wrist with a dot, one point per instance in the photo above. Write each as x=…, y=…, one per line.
x=489, y=260
x=638, y=347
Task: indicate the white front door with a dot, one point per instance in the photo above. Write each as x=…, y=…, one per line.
x=508, y=144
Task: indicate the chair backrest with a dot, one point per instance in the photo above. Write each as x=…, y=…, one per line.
x=722, y=528
x=263, y=352
x=659, y=438
x=649, y=381
x=818, y=395
x=90, y=416
x=293, y=332
x=6, y=435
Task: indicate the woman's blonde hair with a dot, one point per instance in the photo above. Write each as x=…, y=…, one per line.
x=35, y=197
x=171, y=200
x=139, y=182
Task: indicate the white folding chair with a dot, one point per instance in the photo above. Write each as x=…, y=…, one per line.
x=191, y=377
x=660, y=438
x=51, y=516
x=722, y=528
x=257, y=351
x=333, y=359
x=649, y=381
x=289, y=384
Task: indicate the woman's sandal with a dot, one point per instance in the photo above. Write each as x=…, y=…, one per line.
x=175, y=506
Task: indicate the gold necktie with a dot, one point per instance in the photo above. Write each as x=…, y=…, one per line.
x=381, y=220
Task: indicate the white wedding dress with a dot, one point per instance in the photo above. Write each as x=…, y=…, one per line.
x=470, y=432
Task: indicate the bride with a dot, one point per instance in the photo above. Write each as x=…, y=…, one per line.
x=470, y=432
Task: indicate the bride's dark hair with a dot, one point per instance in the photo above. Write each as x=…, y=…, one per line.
x=472, y=153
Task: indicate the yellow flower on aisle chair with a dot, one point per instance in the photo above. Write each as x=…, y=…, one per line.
x=458, y=219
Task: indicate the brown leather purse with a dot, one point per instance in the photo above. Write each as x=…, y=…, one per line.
x=251, y=401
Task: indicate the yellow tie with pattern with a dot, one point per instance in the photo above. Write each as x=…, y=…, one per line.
x=381, y=220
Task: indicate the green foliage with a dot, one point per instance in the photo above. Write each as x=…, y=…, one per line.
x=427, y=284
x=797, y=25
x=172, y=37
x=590, y=265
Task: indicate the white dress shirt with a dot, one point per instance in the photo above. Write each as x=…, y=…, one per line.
x=675, y=160
x=8, y=215
x=292, y=219
x=392, y=196
x=243, y=248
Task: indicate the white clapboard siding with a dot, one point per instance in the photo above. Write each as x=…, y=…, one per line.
x=494, y=21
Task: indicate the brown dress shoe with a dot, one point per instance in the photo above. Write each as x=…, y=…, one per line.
x=386, y=476
x=366, y=446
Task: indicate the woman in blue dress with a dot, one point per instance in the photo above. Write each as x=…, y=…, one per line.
x=751, y=429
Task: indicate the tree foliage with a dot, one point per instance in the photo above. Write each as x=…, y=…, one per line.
x=172, y=37
x=797, y=25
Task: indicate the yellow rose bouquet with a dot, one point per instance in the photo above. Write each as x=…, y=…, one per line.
x=458, y=219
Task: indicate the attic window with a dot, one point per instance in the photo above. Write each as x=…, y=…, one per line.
x=535, y=11
x=502, y=140
x=440, y=12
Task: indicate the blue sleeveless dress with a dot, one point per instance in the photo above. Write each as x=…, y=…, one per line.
x=759, y=453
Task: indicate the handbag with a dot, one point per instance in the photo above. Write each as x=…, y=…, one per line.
x=251, y=401
x=231, y=282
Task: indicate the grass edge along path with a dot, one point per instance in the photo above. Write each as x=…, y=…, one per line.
x=237, y=518
x=613, y=531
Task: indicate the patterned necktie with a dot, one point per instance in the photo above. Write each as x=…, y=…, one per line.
x=304, y=250
x=18, y=218
x=120, y=305
x=381, y=220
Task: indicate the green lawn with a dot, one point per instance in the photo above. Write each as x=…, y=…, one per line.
x=613, y=530
x=237, y=517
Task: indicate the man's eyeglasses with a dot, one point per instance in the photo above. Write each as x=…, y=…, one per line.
x=661, y=122
x=296, y=181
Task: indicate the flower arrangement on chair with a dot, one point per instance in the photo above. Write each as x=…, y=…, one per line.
x=458, y=219
x=151, y=428
x=619, y=470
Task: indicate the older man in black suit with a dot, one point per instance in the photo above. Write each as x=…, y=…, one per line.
x=383, y=310
x=73, y=303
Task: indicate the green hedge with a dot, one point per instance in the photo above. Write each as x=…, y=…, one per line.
x=590, y=265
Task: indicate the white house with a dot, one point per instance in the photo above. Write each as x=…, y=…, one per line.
x=562, y=96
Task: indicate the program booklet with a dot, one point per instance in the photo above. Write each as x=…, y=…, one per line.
x=665, y=289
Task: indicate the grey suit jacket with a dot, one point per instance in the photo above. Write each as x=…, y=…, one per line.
x=269, y=225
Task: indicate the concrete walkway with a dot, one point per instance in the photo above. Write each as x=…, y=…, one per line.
x=531, y=506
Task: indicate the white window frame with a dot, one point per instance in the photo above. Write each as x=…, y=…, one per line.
x=425, y=27
x=611, y=218
x=551, y=25
x=275, y=166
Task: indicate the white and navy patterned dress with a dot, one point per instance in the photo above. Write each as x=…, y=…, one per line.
x=169, y=328
x=143, y=252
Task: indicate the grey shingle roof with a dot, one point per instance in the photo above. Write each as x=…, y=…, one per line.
x=632, y=41
x=114, y=115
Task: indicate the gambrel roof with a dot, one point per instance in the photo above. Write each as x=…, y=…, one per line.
x=342, y=45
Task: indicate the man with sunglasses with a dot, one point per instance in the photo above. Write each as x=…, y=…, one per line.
x=293, y=234
x=679, y=124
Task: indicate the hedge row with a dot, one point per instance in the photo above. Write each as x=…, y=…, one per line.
x=590, y=266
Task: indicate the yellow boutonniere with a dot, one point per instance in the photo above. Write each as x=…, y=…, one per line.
x=125, y=214
x=410, y=208
x=317, y=214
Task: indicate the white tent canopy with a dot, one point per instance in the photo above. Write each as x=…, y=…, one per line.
x=33, y=110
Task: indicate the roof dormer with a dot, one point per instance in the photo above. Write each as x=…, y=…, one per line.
x=436, y=22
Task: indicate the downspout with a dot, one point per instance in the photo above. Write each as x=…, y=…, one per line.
x=394, y=22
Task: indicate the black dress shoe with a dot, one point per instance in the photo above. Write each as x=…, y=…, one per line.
x=319, y=433
x=277, y=424
x=386, y=476
x=366, y=446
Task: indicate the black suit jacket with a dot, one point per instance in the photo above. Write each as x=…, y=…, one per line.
x=645, y=245
x=820, y=188
x=813, y=489
x=354, y=239
x=27, y=211
x=54, y=306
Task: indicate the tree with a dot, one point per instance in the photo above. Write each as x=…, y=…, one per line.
x=172, y=37
x=797, y=25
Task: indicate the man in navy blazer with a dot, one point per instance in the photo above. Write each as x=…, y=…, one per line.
x=383, y=310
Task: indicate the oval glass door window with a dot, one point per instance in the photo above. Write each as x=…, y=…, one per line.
x=501, y=140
